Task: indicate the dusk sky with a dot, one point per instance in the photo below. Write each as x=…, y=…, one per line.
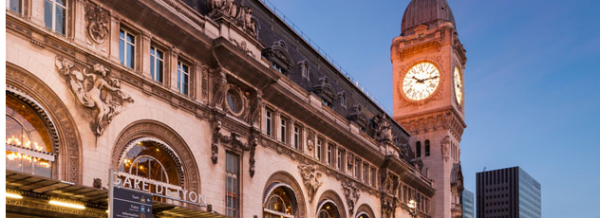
x=532, y=83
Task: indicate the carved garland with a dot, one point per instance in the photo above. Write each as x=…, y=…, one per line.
x=234, y=140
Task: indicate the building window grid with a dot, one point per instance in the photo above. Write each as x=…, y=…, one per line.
x=330, y=153
x=126, y=48
x=340, y=159
x=427, y=148
x=373, y=177
x=232, y=185
x=418, y=148
x=357, y=168
x=183, y=78
x=55, y=15
x=156, y=64
x=319, y=147
x=365, y=172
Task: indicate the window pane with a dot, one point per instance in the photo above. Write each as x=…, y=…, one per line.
x=152, y=68
x=122, y=50
x=130, y=56
x=61, y=2
x=60, y=20
x=48, y=14
x=15, y=5
x=159, y=73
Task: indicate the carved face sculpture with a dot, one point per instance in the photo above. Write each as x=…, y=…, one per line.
x=421, y=81
x=458, y=85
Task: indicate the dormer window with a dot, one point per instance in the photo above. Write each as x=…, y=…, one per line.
x=342, y=98
x=278, y=56
x=324, y=90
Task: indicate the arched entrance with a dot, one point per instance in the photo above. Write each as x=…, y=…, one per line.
x=364, y=211
x=56, y=130
x=283, y=197
x=152, y=150
x=330, y=206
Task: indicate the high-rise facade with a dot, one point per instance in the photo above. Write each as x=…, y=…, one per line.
x=508, y=193
x=429, y=64
x=468, y=204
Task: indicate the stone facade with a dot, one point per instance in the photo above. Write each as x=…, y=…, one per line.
x=254, y=89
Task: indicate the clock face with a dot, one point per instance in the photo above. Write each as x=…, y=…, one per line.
x=421, y=81
x=458, y=86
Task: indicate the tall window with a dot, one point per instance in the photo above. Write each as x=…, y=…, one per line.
x=156, y=64
x=373, y=178
x=280, y=204
x=151, y=160
x=357, y=168
x=340, y=159
x=232, y=185
x=127, y=48
x=183, y=78
x=418, y=147
x=365, y=172
x=55, y=15
x=283, y=129
x=319, y=145
x=268, y=122
x=330, y=154
x=296, y=137
x=14, y=5
x=427, y=148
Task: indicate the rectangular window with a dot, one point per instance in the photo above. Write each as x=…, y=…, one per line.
x=14, y=5
x=330, y=154
x=183, y=78
x=373, y=177
x=357, y=168
x=297, y=137
x=268, y=123
x=319, y=143
x=365, y=172
x=127, y=48
x=340, y=159
x=232, y=185
x=283, y=129
x=55, y=15
x=156, y=64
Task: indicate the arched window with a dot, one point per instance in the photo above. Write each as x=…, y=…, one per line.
x=362, y=215
x=29, y=147
x=427, y=148
x=328, y=209
x=151, y=160
x=281, y=202
x=418, y=147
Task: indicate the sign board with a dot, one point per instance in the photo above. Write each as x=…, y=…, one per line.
x=128, y=203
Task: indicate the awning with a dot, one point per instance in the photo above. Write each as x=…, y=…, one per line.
x=37, y=191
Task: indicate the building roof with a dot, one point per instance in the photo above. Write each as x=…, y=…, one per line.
x=429, y=12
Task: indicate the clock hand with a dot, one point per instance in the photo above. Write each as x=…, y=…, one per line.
x=430, y=78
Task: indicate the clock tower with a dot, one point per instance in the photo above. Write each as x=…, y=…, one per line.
x=428, y=70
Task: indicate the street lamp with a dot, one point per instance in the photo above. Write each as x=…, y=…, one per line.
x=412, y=205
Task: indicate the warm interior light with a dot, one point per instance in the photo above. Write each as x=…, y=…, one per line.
x=65, y=204
x=15, y=196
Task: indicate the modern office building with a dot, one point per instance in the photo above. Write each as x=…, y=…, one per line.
x=508, y=193
x=219, y=108
x=468, y=204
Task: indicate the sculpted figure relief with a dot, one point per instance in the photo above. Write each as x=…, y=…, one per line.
x=352, y=194
x=242, y=16
x=97, y=22
x=311, y=178
x=219, y=88
x=382, y=128
x=255, y=106
x=96, y=90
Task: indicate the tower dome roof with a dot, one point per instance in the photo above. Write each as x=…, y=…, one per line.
x=426, y=12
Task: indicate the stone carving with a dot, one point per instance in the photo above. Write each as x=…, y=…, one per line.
x=382, y=129
x=219, y=89
x=204, y=82
x=310, y=139
x=98, y=183
x=352, y=194
x=242, y=16
x=445, y=148
x=243, y=46
x=97, y=90
x=214, y=148
x=303, y=64
x=255, y=108
x=310, y=177
x=278, y=54
x=357, y=116
x=324, y=89
x=97, y=22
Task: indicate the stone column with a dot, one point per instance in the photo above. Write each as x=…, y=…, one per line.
x=144, y=56
x=171, y=70
x=115, y=27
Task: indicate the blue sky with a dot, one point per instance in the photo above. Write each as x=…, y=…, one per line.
x=532, y=83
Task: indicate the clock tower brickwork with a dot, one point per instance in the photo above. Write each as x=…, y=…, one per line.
x=437, y=122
